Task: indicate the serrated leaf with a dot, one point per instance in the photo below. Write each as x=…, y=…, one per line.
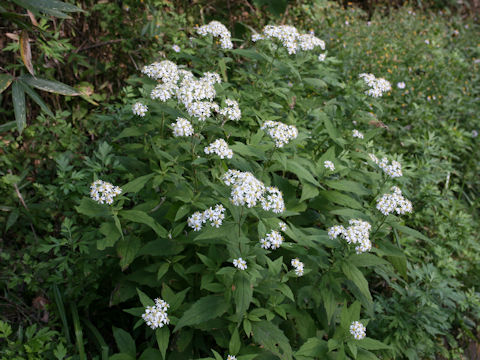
x=272, y=338
x=49, y=85
x=137, y=184
x=125, y=342
x=145, y=299
x=313, y=347
x=355, y=275
x=206, y=308
x=25, y=51
x=142, y=218
x=163, y=336
x=18, y=97
x=242, y=294
x=127, y=249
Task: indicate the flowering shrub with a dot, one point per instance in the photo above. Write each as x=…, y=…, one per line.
x=272, y=275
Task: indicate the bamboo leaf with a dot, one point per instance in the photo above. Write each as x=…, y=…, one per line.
x=18, y=96
x=26, y=52
x=35, y=97
x=50, y=85
x=5, y=81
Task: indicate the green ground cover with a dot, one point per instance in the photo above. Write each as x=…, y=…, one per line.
x=82, y=273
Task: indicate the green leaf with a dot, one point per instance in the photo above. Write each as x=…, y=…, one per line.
x=125, y=342
x=137, y=184
x=49, y=85
x=308, y=191
x=18, y=97
x=249, y=53
x=341, y=199
x=110, y=231
x=350, y=186
x=355, y=275
x=150, y=354
x=121, y=357
x=91, y=208
x=130, y=131
x=315, y=83
x=371, y=344
x=206, y=308
x=163, y=337
x=162, y=270
x=302, y=173
x=242, y=294
x=141, y=217
x=313, y=347
x=35, y=97
x=366, y=260
x=5, y=81
x=409, y=231
x=329, y=304
x=182, y=211
x=235, y=343
x=145, y=299
x=7, y=126
x=127, y=249
x=272, y=338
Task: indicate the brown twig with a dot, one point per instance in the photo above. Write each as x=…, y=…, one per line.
x=103, y=43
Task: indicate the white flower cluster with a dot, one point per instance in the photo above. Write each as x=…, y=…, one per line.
x=377, y=85
x=217, y=29
x=322, y=57
x=273, y=240
x=357, y=134
x=280, y=132
x=357, y=233
x=290, y=38
x=219, y=147
x=273, y=200
x=298, y=265
x=139, y=109
x=156, y=316
x=329, y=165
x=182, y=127
x=282, y=226
x=215, y=216
x=393, y=170
x=231, y=111
x=248, y=190
x=389, y=203
x=103, y=192
x=358, y=331
x=240, y=264
x=196, y=94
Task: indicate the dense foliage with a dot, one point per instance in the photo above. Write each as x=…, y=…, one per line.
x=292, y=256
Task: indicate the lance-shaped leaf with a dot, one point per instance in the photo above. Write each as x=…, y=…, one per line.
x=49, y=7
x=5, y=81
x=207, y=308
x=35, y=97
x=49, y=85
x=25, y=51
x=18, y=96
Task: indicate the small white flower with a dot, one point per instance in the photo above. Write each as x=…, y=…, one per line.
x=273, y=240
x=176, y=48
x=214, y=215
x=139, y=109
x=322, y=57
x=378, y=86
x=231, y=357
x=182, y=128
x=474, y=133
x=357, y=233
x=217, y=29
x=357, y=134
x=282, y=226
x=298, y=266
x=231, y=111
x=280, y=132
x=358, y=331
x=329, y=165
x=240, y=264
x=156, y=316
x=427, y=41
x=219, y=147
x=389, y=203
x=103, y=192
x=401, y=85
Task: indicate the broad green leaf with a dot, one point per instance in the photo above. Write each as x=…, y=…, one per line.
x=91, y=208
x=315, y=83
x=162, y=270
x=206, y=308
x=35, y=97
x=110, y=231
x=313, y=347
x=145, y=299
x=7, y=126
x=268, y=335
x=49, y=85
x=249, y=53
x=163, y=337
x=360, y=260
x=355, y=275
x=341, y=199
x=18, y=97
x=5, y=81
x=150, y=354
x=137, y=184
x=125, y=342
x=347, y=185
x=409, y=231
x=329, y=303
x=242, y=294
x=371, y=344
x=302, y=173
x=141, y=217
x=130, y=131
x=308, y=191
x=235, y=344
x=127, y=249
x=182, y=211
